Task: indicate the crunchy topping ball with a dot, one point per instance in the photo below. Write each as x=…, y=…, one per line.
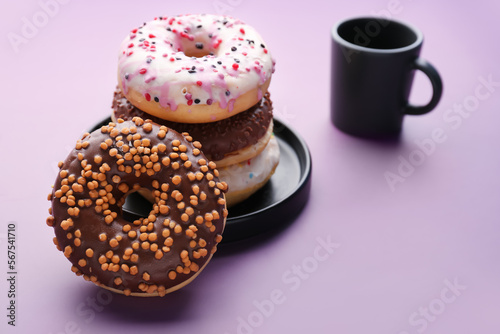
x=153, y=255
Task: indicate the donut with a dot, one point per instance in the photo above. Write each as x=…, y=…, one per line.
x=245, y=178
x=153, y=255
x=194, y=68
x=228, y=141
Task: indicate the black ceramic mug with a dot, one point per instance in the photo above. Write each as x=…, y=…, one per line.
x=373, y=65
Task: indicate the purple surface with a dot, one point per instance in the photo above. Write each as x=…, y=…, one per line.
x=397, y=250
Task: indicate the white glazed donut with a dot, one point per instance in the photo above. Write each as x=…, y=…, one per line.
x=247, y=177
x=194, y=68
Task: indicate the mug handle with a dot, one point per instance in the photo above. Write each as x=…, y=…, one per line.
x=437, y=88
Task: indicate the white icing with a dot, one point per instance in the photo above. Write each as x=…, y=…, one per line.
x=161, y=71
x=248, y=174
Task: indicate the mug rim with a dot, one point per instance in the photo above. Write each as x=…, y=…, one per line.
x=342, y=41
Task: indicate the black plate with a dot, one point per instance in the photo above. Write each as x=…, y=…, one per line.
x=276, y=204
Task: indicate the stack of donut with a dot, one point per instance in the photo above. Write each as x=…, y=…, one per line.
x=206, y=75
x=182, y=80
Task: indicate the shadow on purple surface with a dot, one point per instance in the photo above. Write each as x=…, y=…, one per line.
x=393, y=141
x=174, y=307
x=259, y=240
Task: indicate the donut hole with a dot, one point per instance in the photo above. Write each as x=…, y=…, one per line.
x=199, y=47
x=137, y=205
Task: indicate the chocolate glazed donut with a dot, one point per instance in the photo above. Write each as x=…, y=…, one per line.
x=152, y=255
x=218, y=138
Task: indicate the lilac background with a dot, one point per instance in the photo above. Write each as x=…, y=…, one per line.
x=397, y=248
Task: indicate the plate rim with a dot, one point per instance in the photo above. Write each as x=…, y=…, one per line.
x=303, y=177
x=302, y=188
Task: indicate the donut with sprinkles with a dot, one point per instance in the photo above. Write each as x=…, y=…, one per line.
x=194, y=68
x=153, y=255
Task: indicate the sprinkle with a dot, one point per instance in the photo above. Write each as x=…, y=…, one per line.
x=199, y=45
x=199, y=83
x=190, y=102
x=176, y=180
x=209, y=101
x=148, y=97
x=151, y=36
x=242, y=31
x=143, y=71
x=235, y=66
